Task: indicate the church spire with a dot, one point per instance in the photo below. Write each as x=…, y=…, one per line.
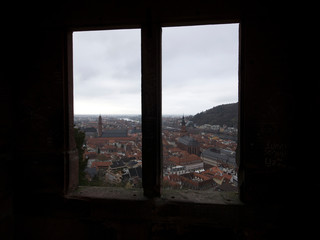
x=183, y=127
x=183, y=123
x=99, y=126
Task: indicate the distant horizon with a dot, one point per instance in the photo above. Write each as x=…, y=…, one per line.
x=139, y=114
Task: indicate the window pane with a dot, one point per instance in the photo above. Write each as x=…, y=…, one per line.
x=107, y=107
x=200, y=107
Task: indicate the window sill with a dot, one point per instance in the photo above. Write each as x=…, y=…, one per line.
x=183, y=196
x=205, y=197
x=108, y=193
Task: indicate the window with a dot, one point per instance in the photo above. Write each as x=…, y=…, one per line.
x=200, y=107
x=107, y=107
x=154, y=99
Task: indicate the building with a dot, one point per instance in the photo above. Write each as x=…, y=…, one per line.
x=183, y=127
x=189, y=144
x=115, y=133
x=99, y=126
x=110, y=133
x=90, y=132
x=215, y=157
x=190, y=162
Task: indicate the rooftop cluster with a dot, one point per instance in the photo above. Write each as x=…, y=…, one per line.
x=194, y=157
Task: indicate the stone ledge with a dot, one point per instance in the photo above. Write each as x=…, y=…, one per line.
x=185, y=196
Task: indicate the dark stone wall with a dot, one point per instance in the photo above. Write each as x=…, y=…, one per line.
x=278, y=102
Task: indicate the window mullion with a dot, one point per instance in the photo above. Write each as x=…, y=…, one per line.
x=151, y=109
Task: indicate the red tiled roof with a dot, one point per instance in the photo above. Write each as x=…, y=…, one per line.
x=106, y=140
x=218, y=177
x=109, y=147
x=90, y=154
x=203, y=177
x=172, y=182
x=213, y=170
x=185, y=159
x=101, y=164
x=174, y=160
x=189, y=181
x=174, y=177
x=175, y=149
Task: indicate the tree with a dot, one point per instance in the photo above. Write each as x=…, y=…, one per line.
x=79, y=137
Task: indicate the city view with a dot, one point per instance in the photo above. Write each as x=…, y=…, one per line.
x=199, y=107
x=199, y=157
x=111, y=153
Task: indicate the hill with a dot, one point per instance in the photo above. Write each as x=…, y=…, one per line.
x=219, y=115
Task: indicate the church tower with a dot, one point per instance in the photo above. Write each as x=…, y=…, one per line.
x=100, y=126
x=183, y=127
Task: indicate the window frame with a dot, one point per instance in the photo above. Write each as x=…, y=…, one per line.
x=151, y=104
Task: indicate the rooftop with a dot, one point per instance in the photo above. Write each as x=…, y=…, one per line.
x=187, y=140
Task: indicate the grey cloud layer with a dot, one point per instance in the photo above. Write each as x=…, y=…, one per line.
x=200, y=67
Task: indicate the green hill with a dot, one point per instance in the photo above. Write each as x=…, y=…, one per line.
x=219, y=115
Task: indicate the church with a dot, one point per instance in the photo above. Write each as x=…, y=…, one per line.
x=110, y=133
x=186, y=142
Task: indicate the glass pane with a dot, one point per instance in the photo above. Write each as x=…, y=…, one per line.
x=107, y=107
x=200, y=107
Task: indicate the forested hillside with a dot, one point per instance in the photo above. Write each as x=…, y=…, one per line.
x=219, y=115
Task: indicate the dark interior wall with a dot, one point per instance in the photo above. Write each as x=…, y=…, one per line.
x=267, y=94
x=276, y=148
x=279, y=97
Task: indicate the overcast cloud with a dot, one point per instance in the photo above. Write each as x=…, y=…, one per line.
x=199, y=69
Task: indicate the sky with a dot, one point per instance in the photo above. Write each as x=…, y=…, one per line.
x=199, y=69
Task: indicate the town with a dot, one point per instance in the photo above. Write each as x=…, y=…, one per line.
x=194, y=157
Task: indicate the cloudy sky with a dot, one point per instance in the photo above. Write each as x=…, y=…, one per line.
x=199, y=69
